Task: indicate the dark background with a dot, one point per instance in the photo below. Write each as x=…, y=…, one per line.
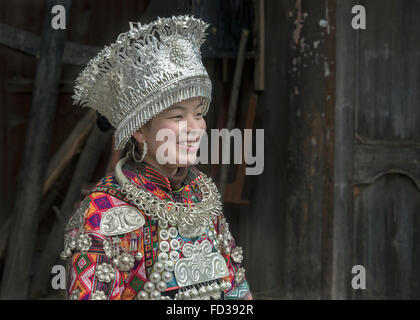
x=341, y=119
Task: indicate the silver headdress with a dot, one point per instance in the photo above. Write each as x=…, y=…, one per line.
x=148, y=69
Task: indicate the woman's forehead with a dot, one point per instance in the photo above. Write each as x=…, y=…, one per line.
x=190, y=103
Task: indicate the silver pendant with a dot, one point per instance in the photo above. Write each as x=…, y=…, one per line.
x=120, y=220
x=199, y=264
x=188, y=231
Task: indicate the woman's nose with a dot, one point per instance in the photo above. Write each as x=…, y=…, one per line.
x=193, y=123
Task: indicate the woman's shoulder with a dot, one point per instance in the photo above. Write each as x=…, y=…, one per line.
x=103, y=206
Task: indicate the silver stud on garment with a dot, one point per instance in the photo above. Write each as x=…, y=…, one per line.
x=139, y=256
x=167, y=276
x=161, y=286
x=149, y=286
x=174, y=255
x=159, y=267
x=163, y=257
x=155, y=277
x=164, y=246
x=143, y=295
x=174, y=244
x=155, y=295
x=164, y=235
x=173, y=233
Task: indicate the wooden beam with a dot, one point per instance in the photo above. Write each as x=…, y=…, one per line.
x=16, y=274
x=25, y=85
x=29, y=43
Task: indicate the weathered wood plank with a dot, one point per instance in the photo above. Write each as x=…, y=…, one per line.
x=343, y=162
x=15, y=280
x=389, y=60
x=310, y=150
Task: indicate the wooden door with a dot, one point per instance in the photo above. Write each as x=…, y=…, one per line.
x=377, y=198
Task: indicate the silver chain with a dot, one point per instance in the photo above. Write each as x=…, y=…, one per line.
x=175, y=213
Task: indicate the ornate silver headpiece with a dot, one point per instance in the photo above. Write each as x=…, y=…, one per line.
x=148, y=69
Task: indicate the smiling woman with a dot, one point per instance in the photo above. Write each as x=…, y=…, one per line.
x=186, y=124
x=154, y=228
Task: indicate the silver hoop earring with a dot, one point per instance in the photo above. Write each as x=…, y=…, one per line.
x=133, y=152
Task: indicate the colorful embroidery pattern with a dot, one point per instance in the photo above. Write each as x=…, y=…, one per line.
x=125, y=285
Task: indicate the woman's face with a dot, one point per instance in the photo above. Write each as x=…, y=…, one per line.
x=173, y=136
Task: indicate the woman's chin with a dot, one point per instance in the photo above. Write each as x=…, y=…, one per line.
x=186, y=160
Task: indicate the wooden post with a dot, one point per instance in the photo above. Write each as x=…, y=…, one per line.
x=260, y=39
x=233, y=105
x=15, y=281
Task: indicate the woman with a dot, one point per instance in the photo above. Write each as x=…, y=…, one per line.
x=153, y=229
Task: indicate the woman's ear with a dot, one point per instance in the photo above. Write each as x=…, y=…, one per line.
x=139, y=136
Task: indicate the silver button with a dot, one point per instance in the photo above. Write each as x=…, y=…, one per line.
x=173, y=233
x=174, y=244
x=169, y=265
x=163, y=257
x=164, y=246
x=174, y=255
x=164, y=235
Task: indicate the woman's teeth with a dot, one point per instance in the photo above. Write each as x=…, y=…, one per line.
x=188, y=144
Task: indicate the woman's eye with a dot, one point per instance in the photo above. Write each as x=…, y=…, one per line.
x=199, y=115
x=178, y=117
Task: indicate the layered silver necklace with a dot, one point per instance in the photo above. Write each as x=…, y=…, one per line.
x=190, y=218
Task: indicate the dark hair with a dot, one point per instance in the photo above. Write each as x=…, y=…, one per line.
x=103, y=123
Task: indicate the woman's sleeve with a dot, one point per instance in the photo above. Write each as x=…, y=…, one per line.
x=91, y=274
x=234, y=257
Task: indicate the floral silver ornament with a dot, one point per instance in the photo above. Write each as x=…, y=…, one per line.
x=109, y=249
x=124, y=262
x=98, y=295
x=239, y=275
x=105, y=272
x=237, y=254
x=74, y=295
x=83, y=242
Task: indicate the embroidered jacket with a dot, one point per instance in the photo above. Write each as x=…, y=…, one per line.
x=114, y=249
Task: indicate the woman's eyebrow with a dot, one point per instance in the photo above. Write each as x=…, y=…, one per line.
x=177, y=107
x=183, y=107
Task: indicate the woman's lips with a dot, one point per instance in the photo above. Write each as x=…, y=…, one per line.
x=191, y=148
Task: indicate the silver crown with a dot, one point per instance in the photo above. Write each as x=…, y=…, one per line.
x=148, y=69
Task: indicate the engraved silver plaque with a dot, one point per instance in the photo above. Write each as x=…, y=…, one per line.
x=199, y=264
x=120, y=220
